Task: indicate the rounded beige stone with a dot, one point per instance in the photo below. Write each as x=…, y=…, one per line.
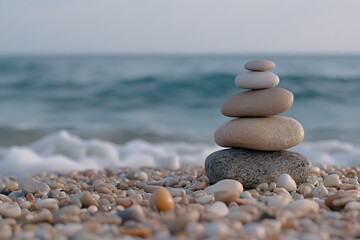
x=260, y=65
x=264, y=134
x=256, y=80
x=258, y=103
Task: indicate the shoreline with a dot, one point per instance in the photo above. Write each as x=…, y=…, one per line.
x=115, y=203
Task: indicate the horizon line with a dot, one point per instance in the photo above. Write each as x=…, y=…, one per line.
x=178, y=54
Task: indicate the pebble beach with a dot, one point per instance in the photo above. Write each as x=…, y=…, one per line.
x=154, y=203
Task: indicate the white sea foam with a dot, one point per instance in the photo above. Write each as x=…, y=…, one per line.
x=65, y=152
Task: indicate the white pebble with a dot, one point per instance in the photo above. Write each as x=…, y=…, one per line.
x=255, y=230
x=332, y=180
x=353, y=206
x=92, y=209
x=246, y=194
x=313, y=180
x=216, y=229
x=176, y=192
x=205, y=199
x=242, y=216
x=49, y=203
x=142, y=176
x=225, y=185
x=281, y=191
x=320, y=191
x=10, y=210
x=195, y=228
x=277, y=201
x=285, y=181
x=303, y=207
x=69, y=229
x=218, y=208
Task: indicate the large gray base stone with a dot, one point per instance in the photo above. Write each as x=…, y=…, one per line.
x=252, y=167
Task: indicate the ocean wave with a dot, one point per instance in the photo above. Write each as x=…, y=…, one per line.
x=64, y=152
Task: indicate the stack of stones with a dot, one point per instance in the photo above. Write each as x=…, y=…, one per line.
x=256, y=138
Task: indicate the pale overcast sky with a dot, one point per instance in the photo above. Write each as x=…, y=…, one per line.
x=181, y=26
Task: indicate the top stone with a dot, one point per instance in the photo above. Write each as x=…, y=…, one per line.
x=260, y=65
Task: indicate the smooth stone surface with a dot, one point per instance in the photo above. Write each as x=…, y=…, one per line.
x=225, y=185
x=5, y=230
x=218, y=208
x=320, y=191
x=332, y=180
x=258, y=103
x=179, y=223
x=135, y=213
x=162, y=200
x=285, y=181
x=303, y=207
x=31, y=185
x=266, y=133
x=10, y=210
x=260, y=65
x=87, y=200
x=252, y=168
x=256, y=80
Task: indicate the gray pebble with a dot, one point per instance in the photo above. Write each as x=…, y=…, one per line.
x=135, y=213
x=31, y=185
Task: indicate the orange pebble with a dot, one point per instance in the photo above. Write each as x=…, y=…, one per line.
x=162, y=200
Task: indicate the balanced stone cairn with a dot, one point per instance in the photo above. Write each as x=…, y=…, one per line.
x=256, y=138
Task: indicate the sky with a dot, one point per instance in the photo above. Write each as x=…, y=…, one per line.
x=179, y=26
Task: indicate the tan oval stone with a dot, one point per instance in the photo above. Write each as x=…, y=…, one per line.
x=260, y=65
x=162, y=200
x=265, y=134
x=258, y=103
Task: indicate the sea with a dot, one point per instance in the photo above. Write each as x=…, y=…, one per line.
x=63, y=113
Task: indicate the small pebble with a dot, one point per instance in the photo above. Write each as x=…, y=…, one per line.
x=205, y=199
x=242, y=216
x=255, y=231
x=162, y=200
x=87, y=199
x=303, y=207
x=332, y=181
x=5, y=198
x=11, y=210
x=5, y=231
x=285, y=181
x=183, y=220
x=352, y=206
x=219, y=208
x=277, y=201
x=320, y=191
x=135, y=213
x=216, y=229
x=225, y=185
x=142, y=176
x=92, y=209
x=49, y=203
x=31, y=185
